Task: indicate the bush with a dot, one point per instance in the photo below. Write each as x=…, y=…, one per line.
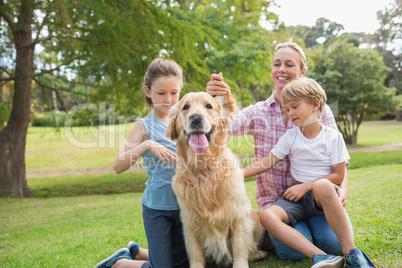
x=83, y=117
x=50, y=118
x=38, y=120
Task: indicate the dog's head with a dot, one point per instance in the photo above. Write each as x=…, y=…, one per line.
x=201, y=121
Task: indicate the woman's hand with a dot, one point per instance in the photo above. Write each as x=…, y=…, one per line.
x=296, y=192
x=342, y=196
x=164, y=154
x=216, y=86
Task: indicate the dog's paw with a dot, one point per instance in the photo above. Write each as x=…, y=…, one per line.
x=258, y=255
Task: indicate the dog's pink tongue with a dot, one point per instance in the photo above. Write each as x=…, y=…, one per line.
x=198, y=142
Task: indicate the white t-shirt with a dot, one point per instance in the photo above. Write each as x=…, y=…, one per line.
x=311, y=159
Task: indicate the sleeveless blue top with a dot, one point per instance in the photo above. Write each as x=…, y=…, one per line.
x=158, y=193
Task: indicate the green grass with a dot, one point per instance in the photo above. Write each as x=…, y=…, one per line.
x=375, y=133
x=76, y=148
x=67, y=232
x=79, y=231
x=374, y=204
x=81, y=219
x=92, y=147
x=82, y=184
x=359, y=160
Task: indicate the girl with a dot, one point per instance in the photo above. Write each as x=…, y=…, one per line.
x=162, y=84
x=267, y=121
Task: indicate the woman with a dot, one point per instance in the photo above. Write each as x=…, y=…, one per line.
x=267, y=121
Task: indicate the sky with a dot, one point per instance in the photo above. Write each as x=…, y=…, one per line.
x=354, y=15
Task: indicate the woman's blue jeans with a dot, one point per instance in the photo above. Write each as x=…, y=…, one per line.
x=316, y=230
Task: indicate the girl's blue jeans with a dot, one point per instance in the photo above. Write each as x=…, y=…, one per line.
x=164, y=232
x=316, y=230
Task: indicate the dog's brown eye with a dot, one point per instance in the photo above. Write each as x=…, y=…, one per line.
x=185, y=107
x=209, y=106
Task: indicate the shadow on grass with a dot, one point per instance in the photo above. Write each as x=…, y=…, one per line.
x=80, y=185
x=131, y=182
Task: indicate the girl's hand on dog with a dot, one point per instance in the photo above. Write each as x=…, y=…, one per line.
x=216, y=86
x=164, y=154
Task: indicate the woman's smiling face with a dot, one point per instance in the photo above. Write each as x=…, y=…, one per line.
x=286, y=67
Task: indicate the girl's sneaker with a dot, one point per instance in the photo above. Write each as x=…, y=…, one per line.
x=133, y=247
x=122, y=253
x=357, y=258
x=324, y=261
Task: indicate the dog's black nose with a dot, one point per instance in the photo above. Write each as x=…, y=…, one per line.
x=195, y=120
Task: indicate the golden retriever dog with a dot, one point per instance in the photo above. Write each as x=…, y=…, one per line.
x=219, y=223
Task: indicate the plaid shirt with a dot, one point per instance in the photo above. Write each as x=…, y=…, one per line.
x=265, y=123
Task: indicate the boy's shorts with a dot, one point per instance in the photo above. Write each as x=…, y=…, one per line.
x=305, y=208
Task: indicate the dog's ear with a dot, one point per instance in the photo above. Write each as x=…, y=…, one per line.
x=171, y=129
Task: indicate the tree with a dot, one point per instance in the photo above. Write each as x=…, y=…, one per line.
x=243, y=49
x=353, y=78
x=13, y=137
x=98, y=40
x=387, y=41
x=323, y=31
x=105, y=47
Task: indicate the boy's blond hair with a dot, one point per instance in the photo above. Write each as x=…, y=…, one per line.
x=306, y=89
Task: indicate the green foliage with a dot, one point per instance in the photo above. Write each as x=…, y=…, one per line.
x=82, y=117
x=390, y=24
x=48, y=119
x=386, y=39
x=99, y=50
x=353, y=78
x=323, y=31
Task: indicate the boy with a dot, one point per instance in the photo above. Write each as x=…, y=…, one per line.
x=317, y=156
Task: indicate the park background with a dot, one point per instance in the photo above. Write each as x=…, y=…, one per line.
x=70, y=77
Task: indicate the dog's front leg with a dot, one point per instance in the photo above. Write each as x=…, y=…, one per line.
x=194, y=248
x=241, y=244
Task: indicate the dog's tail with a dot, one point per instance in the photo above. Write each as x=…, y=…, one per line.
x=261, y=239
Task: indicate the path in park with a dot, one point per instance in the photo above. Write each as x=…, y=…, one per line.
x=105, y=170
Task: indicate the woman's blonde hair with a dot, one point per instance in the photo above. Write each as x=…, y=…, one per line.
x=304, y=88
x=303, y=60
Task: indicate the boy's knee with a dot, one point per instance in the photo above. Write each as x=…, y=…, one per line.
x=323, y=187
x=269, y=216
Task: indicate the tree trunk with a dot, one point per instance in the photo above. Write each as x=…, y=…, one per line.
x=2, y=121
x=13, y=136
